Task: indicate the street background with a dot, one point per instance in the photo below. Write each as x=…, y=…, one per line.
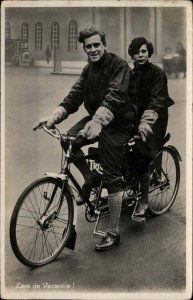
x=150, y=258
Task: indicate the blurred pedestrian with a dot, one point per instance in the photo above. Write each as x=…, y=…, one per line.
x=167, y=61
x=48, y=54
x=180, y=60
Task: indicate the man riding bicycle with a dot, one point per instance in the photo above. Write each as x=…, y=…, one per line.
x=103, y=88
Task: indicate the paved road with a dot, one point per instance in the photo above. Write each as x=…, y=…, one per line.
x=150, y=257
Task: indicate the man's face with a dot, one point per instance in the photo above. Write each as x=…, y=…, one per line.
x=94, y=48
x=142, y=56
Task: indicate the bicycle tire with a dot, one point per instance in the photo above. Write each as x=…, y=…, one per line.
x=24, y=225
x=164, y=181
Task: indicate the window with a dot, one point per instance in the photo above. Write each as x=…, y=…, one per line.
x=72, y=36
x=7, y=30
x=55, y=35
x=38, y=36
x=24, y=31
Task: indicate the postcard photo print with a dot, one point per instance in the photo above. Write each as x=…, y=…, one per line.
x=48, y=242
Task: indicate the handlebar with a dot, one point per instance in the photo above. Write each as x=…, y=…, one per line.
x=55, y=132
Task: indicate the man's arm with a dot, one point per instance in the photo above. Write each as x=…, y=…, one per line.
x=115, y=96
x=75, y=97
x=117, y=92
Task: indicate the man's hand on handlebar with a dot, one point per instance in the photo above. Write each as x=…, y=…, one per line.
x=91, y=130
x=58, y=116
x=47, y=121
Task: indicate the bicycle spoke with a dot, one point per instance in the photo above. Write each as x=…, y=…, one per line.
x=48, y=244
x=30, y=242
x=62, y=221
x=54, y=233
x=43, y=245
x=23, y=233
x=35, y=244
x=26, y=227
x=29, y=210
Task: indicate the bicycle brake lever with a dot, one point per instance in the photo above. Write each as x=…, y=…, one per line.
x=52, y=131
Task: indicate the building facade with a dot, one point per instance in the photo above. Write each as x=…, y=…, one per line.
x=58, y=27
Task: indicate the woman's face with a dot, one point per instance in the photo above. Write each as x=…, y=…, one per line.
x=142, y=56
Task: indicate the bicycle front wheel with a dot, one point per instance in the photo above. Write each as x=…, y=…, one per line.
x=164, y=181
x=41, y=222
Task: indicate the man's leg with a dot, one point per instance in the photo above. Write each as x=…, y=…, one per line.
x=112, y=145
x=89, y=177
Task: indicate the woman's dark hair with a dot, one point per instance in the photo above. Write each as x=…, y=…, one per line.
x=136, y=44
x=90, y=31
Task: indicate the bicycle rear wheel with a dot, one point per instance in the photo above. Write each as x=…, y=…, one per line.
x=41, y=222
x=164, y=181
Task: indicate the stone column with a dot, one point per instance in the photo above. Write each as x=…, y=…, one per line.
x=57, y=61
x=155, y=31
x=96, y=16
x=159, y=32
x=152, y=26
x=128, y=30
x=122, y=32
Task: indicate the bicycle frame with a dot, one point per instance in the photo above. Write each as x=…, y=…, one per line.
x=66, y=175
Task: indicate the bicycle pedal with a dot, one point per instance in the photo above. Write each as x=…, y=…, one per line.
x=138, y=219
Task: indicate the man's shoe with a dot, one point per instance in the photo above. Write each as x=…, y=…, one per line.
x=108, y=242
x=142, y=210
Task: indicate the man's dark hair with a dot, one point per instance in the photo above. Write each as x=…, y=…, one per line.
x=136, y=44
x=90, y=31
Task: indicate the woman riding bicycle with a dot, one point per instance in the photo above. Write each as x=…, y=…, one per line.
x=149, y=93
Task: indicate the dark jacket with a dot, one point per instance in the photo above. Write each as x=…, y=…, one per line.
x=104, y=83
x=149, y=91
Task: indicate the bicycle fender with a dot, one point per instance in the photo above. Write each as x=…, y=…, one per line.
x=175, y=151
x=63, y=177
x=57, y=176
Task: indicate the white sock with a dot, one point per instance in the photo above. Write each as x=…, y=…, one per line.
x=115, y=203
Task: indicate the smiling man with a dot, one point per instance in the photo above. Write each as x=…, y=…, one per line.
x=103, y=88
x=94, y=47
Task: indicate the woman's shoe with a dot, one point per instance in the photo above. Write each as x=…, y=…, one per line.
x=93, y=181
x=141, y=210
